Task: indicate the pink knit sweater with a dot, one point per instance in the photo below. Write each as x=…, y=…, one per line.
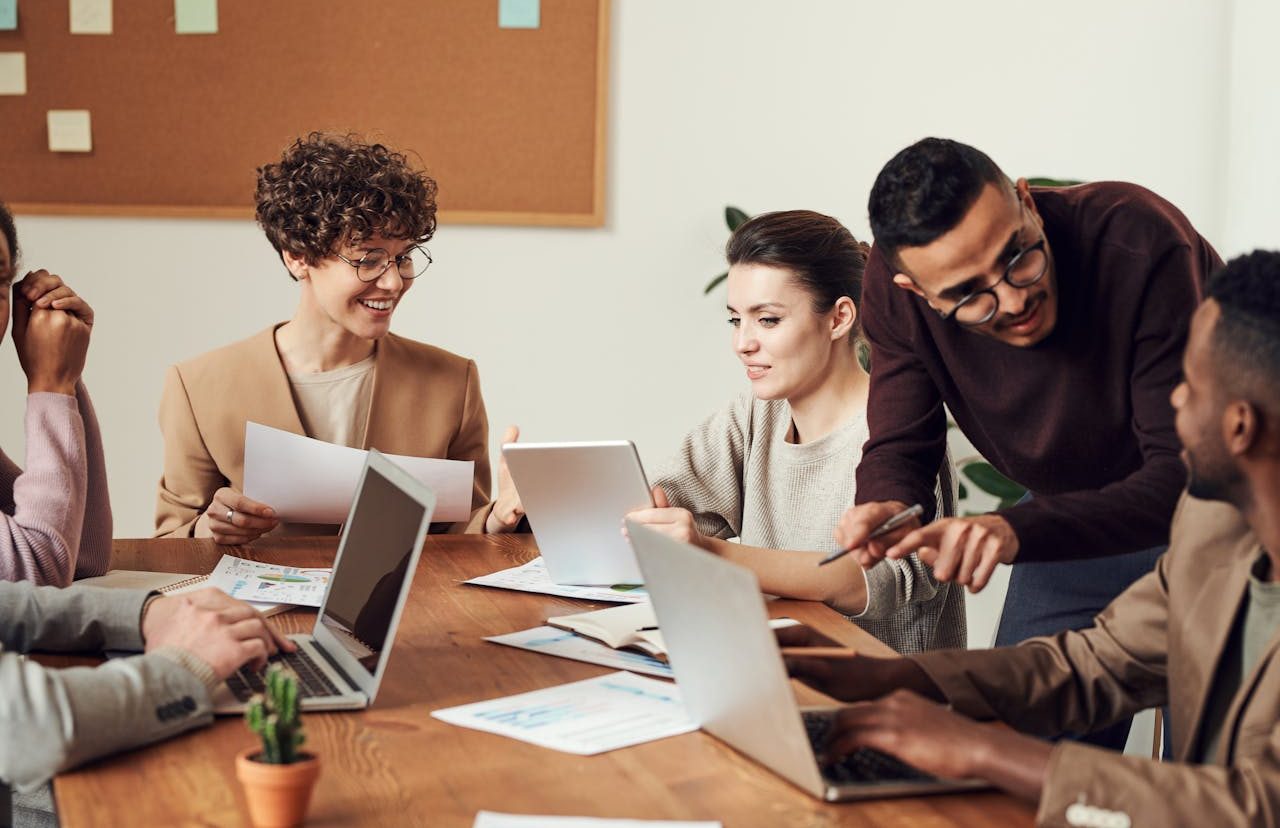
x=55, y=517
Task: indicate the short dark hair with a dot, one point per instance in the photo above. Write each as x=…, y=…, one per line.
x=10, y=232
x=826, y=259
x=1246, y=338
x=329, y=190
x=925, y=190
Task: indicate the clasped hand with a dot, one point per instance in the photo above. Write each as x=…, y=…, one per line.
x=51, y=327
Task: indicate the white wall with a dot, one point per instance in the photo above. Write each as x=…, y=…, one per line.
x=584, y=334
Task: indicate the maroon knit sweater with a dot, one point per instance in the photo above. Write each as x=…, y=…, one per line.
x=1082, y=418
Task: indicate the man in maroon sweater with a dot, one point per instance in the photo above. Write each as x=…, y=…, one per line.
x=1051, y=323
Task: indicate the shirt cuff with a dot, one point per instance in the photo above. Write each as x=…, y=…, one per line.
x=196, y=665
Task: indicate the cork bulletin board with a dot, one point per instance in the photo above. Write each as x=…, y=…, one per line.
x=509, y=121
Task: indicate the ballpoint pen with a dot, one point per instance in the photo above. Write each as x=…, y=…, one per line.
x=883, y=529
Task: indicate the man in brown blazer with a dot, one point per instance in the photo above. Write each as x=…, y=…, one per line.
x=1198, y=634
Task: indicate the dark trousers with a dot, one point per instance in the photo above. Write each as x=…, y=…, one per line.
x=1048, y=598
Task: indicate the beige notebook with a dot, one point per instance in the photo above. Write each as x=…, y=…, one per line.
x=169, y=583
x=629, y=627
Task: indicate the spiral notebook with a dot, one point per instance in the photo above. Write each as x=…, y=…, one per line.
x=170, y=583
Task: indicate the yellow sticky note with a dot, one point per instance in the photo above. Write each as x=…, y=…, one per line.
x=13, y=73
x=69, y=131
x=91, y=17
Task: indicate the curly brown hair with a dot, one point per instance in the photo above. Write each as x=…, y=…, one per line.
x=330, y=190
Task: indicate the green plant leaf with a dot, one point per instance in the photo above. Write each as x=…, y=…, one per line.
x=985, y=477
x=714, y=283
x=964, y=491
x=1041, y=181
x=735, y=217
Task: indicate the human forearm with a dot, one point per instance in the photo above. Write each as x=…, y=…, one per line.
x=76, y=618
x=1013, y=762
x=94, y=557
x=56, y=719
x=795, y=574
x=39, y=541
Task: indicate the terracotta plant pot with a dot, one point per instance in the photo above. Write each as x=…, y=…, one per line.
x=278, y=794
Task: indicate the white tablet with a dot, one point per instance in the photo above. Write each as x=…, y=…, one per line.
x=576, y=495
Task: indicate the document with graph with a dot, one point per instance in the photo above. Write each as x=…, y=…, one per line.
x=273, y=583
x=584, y=717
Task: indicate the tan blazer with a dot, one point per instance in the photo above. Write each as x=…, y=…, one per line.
x=426, y=403
x=1158, y=643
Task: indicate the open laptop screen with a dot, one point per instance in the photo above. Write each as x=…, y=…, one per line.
x=372, y=570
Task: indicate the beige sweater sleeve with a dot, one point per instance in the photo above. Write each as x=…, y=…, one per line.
x=706, y=474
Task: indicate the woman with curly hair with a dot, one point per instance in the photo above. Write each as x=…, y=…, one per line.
x=349, y=220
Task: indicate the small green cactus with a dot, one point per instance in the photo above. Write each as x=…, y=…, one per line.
x=274, y=716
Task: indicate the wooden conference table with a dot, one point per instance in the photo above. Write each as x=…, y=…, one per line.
x=395, y=765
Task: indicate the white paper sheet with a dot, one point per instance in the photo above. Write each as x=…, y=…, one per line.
x=533, y=577
x=492, y=819
x=583, y=717
x=311, y=481
x=565, y=644
x=254, y=581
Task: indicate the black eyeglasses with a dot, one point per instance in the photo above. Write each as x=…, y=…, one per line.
x=1027, y=267
x=410, y=264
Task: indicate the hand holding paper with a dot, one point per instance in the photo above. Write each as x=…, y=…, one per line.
x=311, y=481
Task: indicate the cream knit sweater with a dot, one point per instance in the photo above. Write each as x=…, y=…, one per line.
x=740, y=477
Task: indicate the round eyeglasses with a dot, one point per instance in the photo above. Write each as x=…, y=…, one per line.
x=410, y=264
x=1026, y=268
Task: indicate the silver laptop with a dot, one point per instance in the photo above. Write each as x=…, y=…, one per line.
x=341, y=663
x=576, y=495
x=734, y=684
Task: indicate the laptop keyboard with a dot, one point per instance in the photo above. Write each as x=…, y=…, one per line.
x=860, y=767
x=311, y=681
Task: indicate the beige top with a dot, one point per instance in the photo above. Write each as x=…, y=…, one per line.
x=740, y=477
x=334, y=405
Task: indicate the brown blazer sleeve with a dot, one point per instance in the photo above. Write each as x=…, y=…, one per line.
x=472, y=443
x=1161, y=793
x=190, y=475
x=1073, y=682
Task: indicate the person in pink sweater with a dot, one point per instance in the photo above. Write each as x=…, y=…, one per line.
x=55, y=516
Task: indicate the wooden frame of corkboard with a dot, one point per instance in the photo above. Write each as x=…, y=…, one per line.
x=510, y=122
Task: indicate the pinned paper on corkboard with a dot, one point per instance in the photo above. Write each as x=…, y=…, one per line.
x=70, y=130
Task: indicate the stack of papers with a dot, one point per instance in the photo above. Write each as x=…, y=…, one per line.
x=583, y=717
x=533, y=577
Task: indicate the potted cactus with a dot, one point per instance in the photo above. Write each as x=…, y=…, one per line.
x=276, y=777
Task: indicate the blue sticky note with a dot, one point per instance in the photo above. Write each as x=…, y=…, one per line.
x=519, y=14
x=195, y=16
x=8, y=15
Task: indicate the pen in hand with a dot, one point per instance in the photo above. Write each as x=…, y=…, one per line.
x=883, y=529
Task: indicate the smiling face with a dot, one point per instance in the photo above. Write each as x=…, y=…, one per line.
x=1199, y=402
x=786, y=346
x=337, y=298
x=975, y=254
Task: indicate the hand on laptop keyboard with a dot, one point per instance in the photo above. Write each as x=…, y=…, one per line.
x=311, y=681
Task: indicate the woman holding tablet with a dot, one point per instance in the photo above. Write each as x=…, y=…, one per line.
x=775, y=467
x=349, y=221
